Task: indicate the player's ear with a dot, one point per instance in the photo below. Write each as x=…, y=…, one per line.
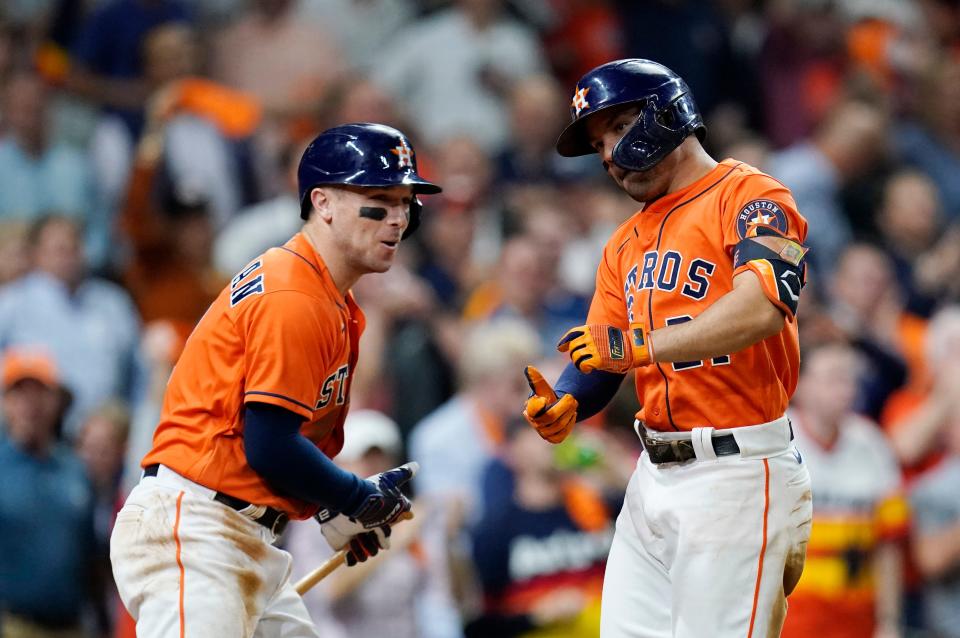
x=322, y=204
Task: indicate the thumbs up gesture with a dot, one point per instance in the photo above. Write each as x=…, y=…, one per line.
x=552, y=417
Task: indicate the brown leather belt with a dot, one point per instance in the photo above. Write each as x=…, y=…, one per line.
x=273, y=519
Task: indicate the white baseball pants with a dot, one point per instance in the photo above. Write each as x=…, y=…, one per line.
x=186, y=565
x=710, y=547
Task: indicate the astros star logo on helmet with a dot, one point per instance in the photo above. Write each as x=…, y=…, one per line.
x=580, y=100
x=404, y=154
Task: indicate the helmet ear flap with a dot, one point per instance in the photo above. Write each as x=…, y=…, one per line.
x=416, y=210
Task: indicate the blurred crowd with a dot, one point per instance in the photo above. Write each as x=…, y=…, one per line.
x=148, y=151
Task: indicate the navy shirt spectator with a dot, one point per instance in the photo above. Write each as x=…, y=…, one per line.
x=46, y=506
x=109, y=48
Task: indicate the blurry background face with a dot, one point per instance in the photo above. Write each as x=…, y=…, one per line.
x=364, y=101
x=30, y=411
x=170, y=53
x=527, y=454
x=910, y=214
x=525, y=275
x=59, y=251
x=464, y=171
x=828, y=384
x=537, y=114
x=862, y=278
x=101, y=446
x=25, y=109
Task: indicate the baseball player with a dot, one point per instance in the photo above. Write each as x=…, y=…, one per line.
x=254, y=412
x=696, y=293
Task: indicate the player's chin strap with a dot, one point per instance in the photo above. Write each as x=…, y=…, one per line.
x=779, y=262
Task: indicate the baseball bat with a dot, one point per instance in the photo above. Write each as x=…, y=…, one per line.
x=310, y=581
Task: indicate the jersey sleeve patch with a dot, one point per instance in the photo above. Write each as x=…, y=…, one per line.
x=758, y=215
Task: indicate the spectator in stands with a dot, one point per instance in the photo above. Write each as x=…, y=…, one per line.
x=800, y=67
x=284, y=59
x=14, y=255
x=926, y=255
x=462, y=91
x=526, y=286
x=261, y=226
x=378, y=597
x=37, y=175
x=360, y=28
x=88, y=325
x=846, y=143
x=689, y=37
x=929, y=142
x=541, y=512
x=919, y=417
x=108, y=65
x=454, y=443
x=935, y=503
x=537, y=115
x=854, y=561
x=101, y=445
x=464, y=227
x=46, y=512
x=865, y=307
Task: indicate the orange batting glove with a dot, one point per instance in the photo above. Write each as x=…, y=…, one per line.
x=552, y=418
x=603, y=347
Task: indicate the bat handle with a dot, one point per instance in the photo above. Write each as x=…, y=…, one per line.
x=310, y=580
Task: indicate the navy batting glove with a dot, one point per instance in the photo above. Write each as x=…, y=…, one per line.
x=368, y=544
x=388, y=502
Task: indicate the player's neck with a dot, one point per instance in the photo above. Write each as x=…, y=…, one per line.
x=695, y=164
x=344, y=277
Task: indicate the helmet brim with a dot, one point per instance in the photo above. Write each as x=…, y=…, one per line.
x=423, y=187
x=573, y=140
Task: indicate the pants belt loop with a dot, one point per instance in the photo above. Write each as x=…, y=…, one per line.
x=702, y=440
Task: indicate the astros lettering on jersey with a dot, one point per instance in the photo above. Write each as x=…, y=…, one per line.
x=673, y=259
x=246, y=350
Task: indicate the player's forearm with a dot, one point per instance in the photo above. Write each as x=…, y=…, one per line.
x=592, y=391
x=739, y=319
x=277, y=451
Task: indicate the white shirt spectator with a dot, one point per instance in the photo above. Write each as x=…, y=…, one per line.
x=92, y=335
x=439, y=69
x=254, y=230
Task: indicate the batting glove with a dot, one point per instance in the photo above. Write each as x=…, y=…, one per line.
x=603, y=347
x=387, y=503
x=552, y=418
x=367, y=528
x=340, y=531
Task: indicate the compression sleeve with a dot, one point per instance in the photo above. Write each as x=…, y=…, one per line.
x=592, y=391
x=287, y=460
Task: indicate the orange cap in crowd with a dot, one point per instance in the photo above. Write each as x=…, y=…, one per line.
x=19, y=365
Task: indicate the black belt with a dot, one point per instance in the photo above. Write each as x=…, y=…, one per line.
x=678, y=451
x=273, y=519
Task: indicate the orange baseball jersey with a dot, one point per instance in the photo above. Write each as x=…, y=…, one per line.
x=673, y=259
x=280, y=333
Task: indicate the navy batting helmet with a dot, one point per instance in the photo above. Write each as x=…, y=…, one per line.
x=363, y=154
x=668, y=113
